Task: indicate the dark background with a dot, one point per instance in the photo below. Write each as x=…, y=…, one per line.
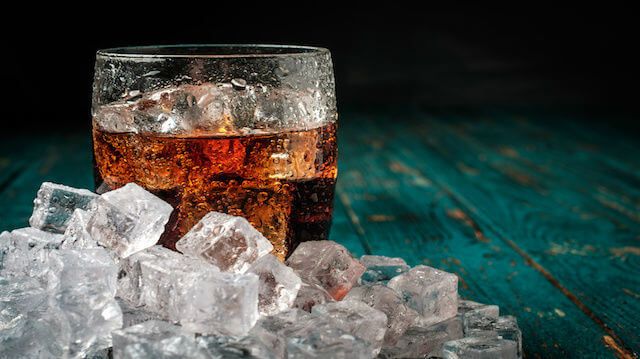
x=573, y=60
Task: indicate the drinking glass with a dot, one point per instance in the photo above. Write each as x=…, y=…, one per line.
x=248, y=130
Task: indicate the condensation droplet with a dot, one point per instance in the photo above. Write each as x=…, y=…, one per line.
x=239, y=84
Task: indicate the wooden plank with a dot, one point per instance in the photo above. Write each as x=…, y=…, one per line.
x=404, y=212
x=15, y=157
x=343, y=229
x=10, y=170
x=522, y=207
x=561, y=151
x=568, y=219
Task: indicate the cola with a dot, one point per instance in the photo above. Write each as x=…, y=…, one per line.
x=282, y=182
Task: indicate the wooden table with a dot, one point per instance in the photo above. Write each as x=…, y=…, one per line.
x=539, y=214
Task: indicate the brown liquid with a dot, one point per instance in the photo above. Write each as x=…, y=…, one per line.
x=283, y=183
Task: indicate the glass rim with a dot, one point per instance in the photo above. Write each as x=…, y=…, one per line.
x=211, y=51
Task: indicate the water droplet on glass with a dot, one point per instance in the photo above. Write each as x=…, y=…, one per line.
x=239, y=84
x=151, y=73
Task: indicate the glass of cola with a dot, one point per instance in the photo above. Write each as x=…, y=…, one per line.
x=247, y=130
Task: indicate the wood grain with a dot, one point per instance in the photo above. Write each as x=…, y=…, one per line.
x=563, y=209
x=430, y=229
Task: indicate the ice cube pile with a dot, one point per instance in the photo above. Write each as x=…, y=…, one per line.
x=87, y=280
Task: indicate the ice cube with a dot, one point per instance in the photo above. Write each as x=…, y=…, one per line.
x=506, y=327
x=25, y=251
x=83, y=286
x=217, y=302
x=12, y=321
x=154, y=339
x=29, y=326
x=128, y=220
x=130, y=272
x=157, y=271
x=431, y=292
x=18, y=297
x=424, y=342
x=274, y=330
x=37, y=239
x=169, y=110
x=388, y=301
x=480, y=348
x=115, y=118
x=279, y=285
x=76, y=235
x=267, y=210
x=220, y=108
x=234, y=106
x=287, y=108
x=47, y=333
x=468, y=306
x=328, y=343
x=286, y=322
x=381, y=268
x=173, y=110
x=246, y=347
x=204, y=107
x=356, y=318
x=40, y=335
x=327, y=264
x=134, y=315
x=310, y=295
x=100, y=354
x=229, y=242
x=55, y=204
x=6, y=245
x=129, y=278
x=293, y=157
x=453, y=327
x=471, y=311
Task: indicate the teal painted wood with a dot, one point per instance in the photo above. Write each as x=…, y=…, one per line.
x=405, y=211
x=343, y=230
x=57, y=158
x=554, y=212
x=539, y=215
